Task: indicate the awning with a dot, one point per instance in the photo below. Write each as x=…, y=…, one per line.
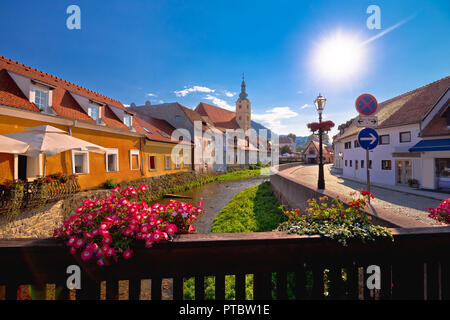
x=431, y=145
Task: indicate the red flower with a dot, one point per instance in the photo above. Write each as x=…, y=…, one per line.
x=127, y=254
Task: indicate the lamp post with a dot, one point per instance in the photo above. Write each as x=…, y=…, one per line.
x=320, y=105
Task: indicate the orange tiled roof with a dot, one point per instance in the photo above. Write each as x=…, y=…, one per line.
x=63, y=103
x=221, y=118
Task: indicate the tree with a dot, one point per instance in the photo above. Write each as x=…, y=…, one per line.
x=293, y=137
x=313, y=136
x=299, y=148
x=285, y=149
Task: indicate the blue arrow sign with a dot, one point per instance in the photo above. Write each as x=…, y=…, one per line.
x=368, y=138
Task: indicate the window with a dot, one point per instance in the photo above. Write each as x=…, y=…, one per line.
x=356, y=144
x=177, y=118
x=348, y=145
x=350, y=163
x=386, y=165
x=177, y=162
x=80, y=162
x=151, y=163
x=345, y=162
x=356, y=164
x=370, y=164
x=167, y=162
x=240, y=118
x=362, y=164
x=240, y=106
x=94, y=112
x=384, y=139
x=41, y=99
x=135, y=160
x=405, y=136
x=127, y=121
x=112, y=160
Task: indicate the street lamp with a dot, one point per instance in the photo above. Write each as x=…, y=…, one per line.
x=320, y=105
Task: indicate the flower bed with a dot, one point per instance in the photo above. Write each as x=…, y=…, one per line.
x=335, y=221
x=105, y=229
x=441, y=213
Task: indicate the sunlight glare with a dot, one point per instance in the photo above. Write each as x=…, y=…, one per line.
x=338, y=57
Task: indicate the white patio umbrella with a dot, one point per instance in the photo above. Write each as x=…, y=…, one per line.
x=48, y=141
x=10, y=145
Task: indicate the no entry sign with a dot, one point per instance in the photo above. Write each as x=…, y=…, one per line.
x=366, y=104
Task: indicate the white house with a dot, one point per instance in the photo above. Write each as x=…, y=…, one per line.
x=403, y=123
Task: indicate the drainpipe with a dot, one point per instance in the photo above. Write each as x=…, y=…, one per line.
x=142, y=157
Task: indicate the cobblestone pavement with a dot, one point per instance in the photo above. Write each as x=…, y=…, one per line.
x=400, y=202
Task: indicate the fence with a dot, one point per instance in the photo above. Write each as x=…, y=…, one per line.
x=37, y=194
x=415, y=266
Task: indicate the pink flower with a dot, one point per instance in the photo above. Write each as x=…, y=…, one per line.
x=71, y=241
x=73, y=250
x=86, y=254
x=127, y=254
x=171, y=229
x=200, y=203
x=78, y=243
x=100, y=262
x=110, y=252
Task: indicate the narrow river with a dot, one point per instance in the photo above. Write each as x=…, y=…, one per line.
x=215, y=196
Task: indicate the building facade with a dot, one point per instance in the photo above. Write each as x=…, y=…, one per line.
x=30, y=97
x=404, y=122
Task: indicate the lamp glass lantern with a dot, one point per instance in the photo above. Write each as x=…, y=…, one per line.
x=320, y=103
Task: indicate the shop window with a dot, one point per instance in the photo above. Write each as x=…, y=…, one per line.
x=386, y=165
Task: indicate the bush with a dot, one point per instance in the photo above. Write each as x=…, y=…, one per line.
x=441, y=213
x=105, y=229
x=336, y=221
x=109, y=184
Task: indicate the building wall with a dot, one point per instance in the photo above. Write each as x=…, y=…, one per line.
x=381, y=152
x=97, y=175
x=160, y=150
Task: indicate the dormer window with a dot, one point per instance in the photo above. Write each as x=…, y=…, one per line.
x=41, y=97
x=127, y=121
x=94, y=112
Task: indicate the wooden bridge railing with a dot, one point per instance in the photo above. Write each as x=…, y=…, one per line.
x=415, y=266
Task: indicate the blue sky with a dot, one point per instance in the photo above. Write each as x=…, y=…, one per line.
x=157, y=50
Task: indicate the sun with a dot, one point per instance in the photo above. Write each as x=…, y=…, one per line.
x=338, y=57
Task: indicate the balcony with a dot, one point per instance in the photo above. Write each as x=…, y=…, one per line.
x=415, y=266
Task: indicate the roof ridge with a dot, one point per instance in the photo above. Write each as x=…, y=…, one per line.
x=8, y=60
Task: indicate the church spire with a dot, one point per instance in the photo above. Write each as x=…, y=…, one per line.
x=243, y=95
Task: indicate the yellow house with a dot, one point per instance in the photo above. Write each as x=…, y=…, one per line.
x=29, y=98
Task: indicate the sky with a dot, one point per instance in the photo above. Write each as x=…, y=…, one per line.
x=196, y=51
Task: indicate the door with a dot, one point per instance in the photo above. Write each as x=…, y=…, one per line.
x=403, y=171
x=22, y=174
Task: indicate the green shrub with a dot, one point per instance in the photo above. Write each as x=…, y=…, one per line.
x=109, y=184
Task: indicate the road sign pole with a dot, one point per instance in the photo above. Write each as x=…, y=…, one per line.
x=368, y=172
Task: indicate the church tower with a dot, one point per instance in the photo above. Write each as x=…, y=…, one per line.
x=243, y=108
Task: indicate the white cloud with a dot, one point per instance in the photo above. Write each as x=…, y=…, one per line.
x=305, y=106
x=151, y=95
x=219, y=102
x=186, y=91
x=273, y=118
x=161, y=101
x=126, y=105
x=229, y=94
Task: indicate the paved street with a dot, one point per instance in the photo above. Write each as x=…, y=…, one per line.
x=408, y=204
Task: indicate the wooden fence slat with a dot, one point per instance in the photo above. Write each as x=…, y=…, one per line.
x=336, y=286
x=220, y=287
x=300, y=283
x=318, y=285
x=134, y=289
x=156, y=288
x=281, y=286
x=112, y=289
x=432, y=280
x=352, y=282
x=262, y=286
x=178, y=288
x=240, y=286
x=11, y=291
x=386, y=281
x=200, y=287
